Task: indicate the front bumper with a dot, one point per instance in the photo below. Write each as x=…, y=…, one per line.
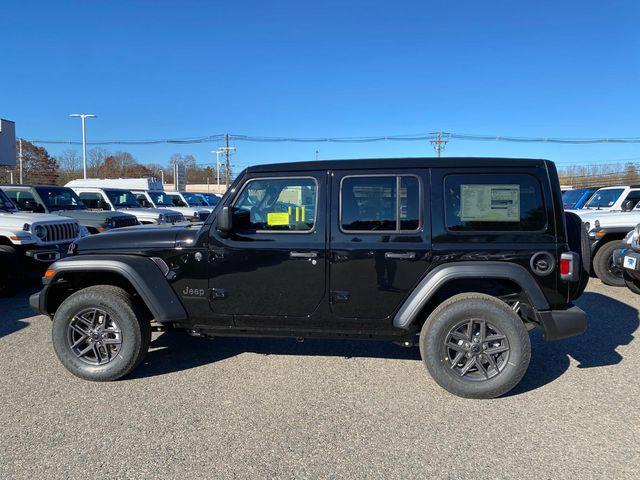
x=46, y=255
x=35, y=303
x=559, y=324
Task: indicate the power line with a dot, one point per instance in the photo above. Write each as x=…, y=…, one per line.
x=365, y=139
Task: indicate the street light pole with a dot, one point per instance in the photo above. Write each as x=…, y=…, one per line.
x=84, y=116
x=218, y=153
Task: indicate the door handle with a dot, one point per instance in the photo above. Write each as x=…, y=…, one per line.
x=303, y=254
x=400, y=256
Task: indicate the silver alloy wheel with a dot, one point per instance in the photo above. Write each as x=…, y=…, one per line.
x=94, y=337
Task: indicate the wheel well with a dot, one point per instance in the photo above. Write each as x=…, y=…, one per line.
x=506, y=290
x=67, y=283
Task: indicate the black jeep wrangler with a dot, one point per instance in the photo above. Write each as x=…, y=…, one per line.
x=461, y=255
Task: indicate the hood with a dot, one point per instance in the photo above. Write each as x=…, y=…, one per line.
x=186, y=211
x=100, y=216
x=137, y=239
x=617, y=219
x=146, y=212
x=20, y=218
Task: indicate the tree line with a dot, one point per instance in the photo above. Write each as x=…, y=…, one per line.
x=600, y=175
x=41, y=168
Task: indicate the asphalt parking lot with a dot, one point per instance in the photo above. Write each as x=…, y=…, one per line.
x=267, y=408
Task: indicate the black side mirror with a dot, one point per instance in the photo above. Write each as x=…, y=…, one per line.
x=628, y=205
x=224, y=220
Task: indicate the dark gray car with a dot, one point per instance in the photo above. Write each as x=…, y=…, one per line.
x=64, y=201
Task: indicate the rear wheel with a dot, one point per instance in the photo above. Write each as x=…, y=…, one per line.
x=604, y=266
x=475, y=346
x=99, y=333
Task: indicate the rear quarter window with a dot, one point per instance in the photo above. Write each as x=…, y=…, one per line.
x=494, y=203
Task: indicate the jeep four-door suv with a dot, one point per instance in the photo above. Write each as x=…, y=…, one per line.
x=461, y=255
x=31, y=241
x=121, y=200
x=64, y=201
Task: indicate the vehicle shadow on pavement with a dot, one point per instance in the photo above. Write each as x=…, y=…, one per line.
x=13, y=310
x=611, y=324
x=176, y=351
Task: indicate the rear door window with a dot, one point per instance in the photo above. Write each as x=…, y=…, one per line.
x=382, y=203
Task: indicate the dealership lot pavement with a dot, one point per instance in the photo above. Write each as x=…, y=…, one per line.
x=238, y=408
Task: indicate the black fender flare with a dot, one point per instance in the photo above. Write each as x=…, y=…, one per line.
x=442, y=274
x=143, y=274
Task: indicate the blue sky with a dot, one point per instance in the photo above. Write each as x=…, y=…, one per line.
x=160, y=69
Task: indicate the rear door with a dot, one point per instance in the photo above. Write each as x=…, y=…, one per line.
x=380, y=243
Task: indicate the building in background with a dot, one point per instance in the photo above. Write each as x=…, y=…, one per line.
x=7, y=143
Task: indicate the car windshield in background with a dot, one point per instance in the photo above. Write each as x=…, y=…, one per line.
x=59, y=198
x=193, y=199
x=122, y=198
x=571, y=197
x=6, y=205
x=161, y=199
x=212, y=200
x=604, y=198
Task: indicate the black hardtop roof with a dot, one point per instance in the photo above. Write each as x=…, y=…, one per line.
x=409, y=162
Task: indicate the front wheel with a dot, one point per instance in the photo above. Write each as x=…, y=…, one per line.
x=99, y=334
x=604, y=266
x=475, y=346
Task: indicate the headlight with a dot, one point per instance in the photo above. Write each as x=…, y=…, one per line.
x=40, y=232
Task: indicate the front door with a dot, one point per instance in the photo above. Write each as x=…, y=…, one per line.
x=380, y=240
x=273, y=263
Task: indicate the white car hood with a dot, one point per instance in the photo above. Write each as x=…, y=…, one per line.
x=617, y=219
x=20, y=218
x=186, y=211
x=146, y=212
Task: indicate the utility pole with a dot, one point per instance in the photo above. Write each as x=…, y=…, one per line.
x=84, y=116
x=20, y=159
x=438, y=143
x=227, y=153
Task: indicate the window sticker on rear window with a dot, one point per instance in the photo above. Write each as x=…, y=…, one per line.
x=490, y=203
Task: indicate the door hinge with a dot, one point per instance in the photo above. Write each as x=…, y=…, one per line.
x=217, y=294
x=340, y=297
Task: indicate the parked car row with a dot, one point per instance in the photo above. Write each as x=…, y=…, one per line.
x=610, y=214
x=38, y=222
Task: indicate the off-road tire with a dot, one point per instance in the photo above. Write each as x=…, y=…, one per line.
x=130, y=318
x=467, y=306
x=11, y=271
x=633, y=285
x=601, y=264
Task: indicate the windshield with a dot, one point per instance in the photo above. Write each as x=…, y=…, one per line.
x=122, y=198
x=193, y=199
x=160, y=199
x=604, y=198
x=60, y=198
x=6, y=205
x=571, y=197
x=211, y=199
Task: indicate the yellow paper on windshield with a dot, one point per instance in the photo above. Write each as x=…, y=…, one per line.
x=490, y=203
x=277, y=218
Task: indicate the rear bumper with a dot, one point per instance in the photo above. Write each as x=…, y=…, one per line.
x=559, y=324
